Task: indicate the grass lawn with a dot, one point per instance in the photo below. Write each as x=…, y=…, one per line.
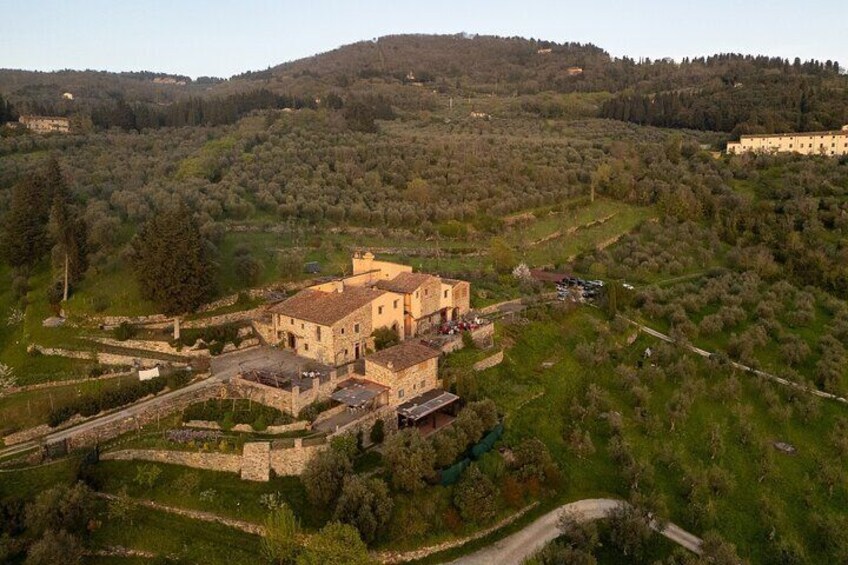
x=27, y=483
x=191, y=541
x=27, y=409
x=225, y=493
x=14, y=338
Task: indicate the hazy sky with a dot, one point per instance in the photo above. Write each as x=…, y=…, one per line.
x=214, y=37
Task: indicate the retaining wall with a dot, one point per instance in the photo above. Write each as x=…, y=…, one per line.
x=255, y=463
x=490, y=361
x=228, y=462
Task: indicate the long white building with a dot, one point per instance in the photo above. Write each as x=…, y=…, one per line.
x=807, y=143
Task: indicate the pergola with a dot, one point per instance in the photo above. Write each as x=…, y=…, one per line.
x=432, y=401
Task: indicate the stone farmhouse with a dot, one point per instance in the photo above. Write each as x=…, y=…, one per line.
x=399, y=385
x=829, y=143
x=46, y=124
x=333, y=322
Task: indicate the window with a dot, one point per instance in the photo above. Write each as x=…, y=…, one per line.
x=446, y=294
x=422, y=383
x=342, y=331
x=396, y=304
x=292, y=321
x=318, y=333
x=416, y=294
x=306, y=347
x=379, y=309
x=356, y=328
x=426, y=292
x=400, y=393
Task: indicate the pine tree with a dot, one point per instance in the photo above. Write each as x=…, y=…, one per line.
x=171, y=261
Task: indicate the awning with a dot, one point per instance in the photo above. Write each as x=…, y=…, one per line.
x=426, y=404
x=356, y=392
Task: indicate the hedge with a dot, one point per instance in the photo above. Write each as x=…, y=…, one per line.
x=90, y=404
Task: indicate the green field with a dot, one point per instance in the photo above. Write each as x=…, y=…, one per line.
x=538, y=402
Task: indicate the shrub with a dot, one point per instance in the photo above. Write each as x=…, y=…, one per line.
x=365, y=504
x=324, y=475
x=91, y=404
x=124, y=331
x=259, y=424
x=385, y=337
x=100, y=303
x=475, y=496
x=55, y=293
x=378, y=432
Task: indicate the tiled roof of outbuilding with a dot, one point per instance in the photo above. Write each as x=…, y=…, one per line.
x=403, y=355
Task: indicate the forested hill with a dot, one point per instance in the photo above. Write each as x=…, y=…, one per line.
x=727, y=92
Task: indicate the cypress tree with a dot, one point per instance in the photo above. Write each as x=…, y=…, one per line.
x=24, y=237
x=171, y=261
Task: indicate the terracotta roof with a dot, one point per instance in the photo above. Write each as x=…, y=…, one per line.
x=405, y=283
x=326, y=308
x=452, y=282
x=403, y=355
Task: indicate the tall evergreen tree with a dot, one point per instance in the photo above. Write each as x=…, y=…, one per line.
x=24, y=237
x=67, y=230
x=171, y=261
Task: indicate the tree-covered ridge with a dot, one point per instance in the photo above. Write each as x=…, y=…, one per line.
x=766, y=103
x=724, y=92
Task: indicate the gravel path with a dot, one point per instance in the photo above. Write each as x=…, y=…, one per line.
x=514, y=549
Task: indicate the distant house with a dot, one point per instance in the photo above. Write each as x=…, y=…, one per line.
x=574, y=71
x=169, y=80
x=544, y=51
x=68, y=96
x=831, y=143
x=46, y=124
x=480, y=115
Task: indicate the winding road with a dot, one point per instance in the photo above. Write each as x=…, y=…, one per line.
x=514, y=549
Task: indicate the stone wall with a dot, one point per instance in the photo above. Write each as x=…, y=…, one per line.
x=289, y=401
x=300, y=425
x=228, y=462
x=483, y=337
x=267, y=395
x=255, y=463
x=327, y=414
x=490, y=361
x=292, y=461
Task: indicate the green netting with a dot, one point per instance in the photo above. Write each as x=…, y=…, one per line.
x=450, y=475
x=486, y=444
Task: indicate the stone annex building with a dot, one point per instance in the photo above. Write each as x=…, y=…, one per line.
x=333, y=322
x=830, y=143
